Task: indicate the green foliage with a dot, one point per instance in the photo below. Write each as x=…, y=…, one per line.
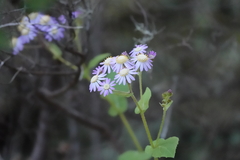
x=134, y=155
x=38, y=5
x=4, y=42
x=166, y=102
x=55, y=50
x=118, y=104
x=144, y=101
x=163, y=148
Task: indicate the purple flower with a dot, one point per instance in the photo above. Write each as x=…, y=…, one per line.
x=62, y=19
x=17, y=45
x=139, y=49
x=120, y=62
x=142, y=62
x=125, y=75
x=152, y=54
x=106, y=65
x=28, y=34
x=45, y=22
x=75, y=14
x=95, y=81
x=98, y=70
x=54, y=32
x=106, y=87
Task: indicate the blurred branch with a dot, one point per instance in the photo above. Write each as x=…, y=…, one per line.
x=81, y=118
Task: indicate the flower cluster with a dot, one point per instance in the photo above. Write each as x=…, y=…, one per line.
x=37, y=23
x=125, y=65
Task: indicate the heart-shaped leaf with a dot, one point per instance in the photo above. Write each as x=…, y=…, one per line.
x=163, y=148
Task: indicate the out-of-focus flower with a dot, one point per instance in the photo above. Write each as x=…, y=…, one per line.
x=125, y=75
x=139, y=49
x=62, y=19
x=17, y=45
x=152, y=54
x=75, y=14
x=54, y=32
x=106, y=87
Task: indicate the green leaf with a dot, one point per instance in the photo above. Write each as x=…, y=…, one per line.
x=134, y=155
x=163, y=148
x=118, y=104
x=96, y=60
x=144, y=101
x=55, y=50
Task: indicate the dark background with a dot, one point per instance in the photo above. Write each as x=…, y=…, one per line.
x=47, y=113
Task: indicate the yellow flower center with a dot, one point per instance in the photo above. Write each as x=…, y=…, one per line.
x=142, y=58
x=25, y=31
x=44, y=19
x=33, y=15
x=54, y=30
x=124, y=72
x=106, y=86
x=14, y=41
x=107, y=61
x=94, y=79
x=121, y=59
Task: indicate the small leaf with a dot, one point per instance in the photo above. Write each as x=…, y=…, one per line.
x=134, y=155
x=163, y=148
x=96, y=60
x=55, y=50
x=118, y=104
x=144, y=101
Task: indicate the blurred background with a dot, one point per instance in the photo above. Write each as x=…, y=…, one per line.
x=47, y=113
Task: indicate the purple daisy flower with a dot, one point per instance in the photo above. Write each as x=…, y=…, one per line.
x=152, y=54
x=17, y=45
x=125, y=75
x=107, y=65
x=120, y=62
x=54, y=32
x=142, y=62
x=139, y=49
x=95, y=81
x=98, y=70
x=106, y=87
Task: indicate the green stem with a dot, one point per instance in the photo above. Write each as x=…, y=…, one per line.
x=142, y=116
x=140, y=83
x=162, y=123
x=130, y=131
x=127, y=125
